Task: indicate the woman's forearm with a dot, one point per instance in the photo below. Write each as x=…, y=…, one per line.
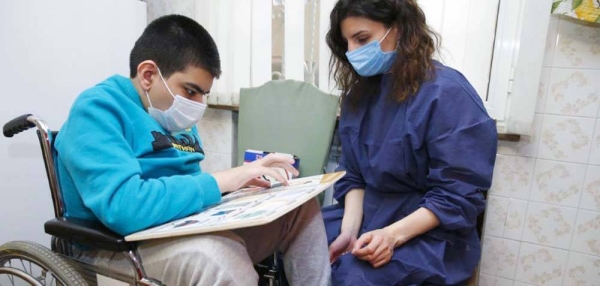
x=417, y=223
x=353, y=211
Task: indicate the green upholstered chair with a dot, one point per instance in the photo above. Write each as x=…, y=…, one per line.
x=292, y=117
x=288, y=116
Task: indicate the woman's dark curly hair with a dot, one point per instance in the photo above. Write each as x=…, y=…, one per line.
x=417, y=44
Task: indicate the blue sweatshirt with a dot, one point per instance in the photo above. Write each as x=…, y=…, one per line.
x=117, y=165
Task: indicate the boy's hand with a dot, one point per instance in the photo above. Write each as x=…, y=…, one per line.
x=235, y=178
x=257, y=182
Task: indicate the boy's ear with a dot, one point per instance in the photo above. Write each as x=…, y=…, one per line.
x=147, y=73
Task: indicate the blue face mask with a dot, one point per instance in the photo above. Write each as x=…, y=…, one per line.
x=370, y=60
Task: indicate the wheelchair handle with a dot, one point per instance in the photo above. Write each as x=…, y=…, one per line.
x=18, y=125
x=46, y=137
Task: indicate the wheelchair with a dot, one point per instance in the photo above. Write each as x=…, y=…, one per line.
x=28, y=263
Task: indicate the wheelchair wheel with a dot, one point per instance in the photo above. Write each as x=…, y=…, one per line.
x=28, y=263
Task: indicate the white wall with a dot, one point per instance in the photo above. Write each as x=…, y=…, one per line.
x=158, y=8
x=50, y=51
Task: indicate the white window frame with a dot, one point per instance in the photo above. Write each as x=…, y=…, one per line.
x=499, y=46
x=517, y=63
x=516, y=40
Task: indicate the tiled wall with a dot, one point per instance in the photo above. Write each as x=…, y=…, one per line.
x=217, y=131
x=543, y=217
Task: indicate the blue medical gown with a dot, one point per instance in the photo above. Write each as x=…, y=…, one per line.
x=435, y=150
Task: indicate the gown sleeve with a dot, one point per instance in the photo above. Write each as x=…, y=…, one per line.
x=461, y=142
x=353, y=178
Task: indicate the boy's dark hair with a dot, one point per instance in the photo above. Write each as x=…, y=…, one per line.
x=175, y=42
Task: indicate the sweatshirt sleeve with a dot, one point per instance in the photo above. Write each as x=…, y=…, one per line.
x=94, y=150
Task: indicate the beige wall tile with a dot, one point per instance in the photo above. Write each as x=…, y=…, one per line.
x=557, y=182
x=549, y=225
x=595, y=152
x=499, y=257
x=515, y=220
x=217, y=136
x=540, y=265
x=488, y=280
x=566, y=138
x=496, y=214
x=512, y=176
x=590, y=197
x=578, y=44
x=586, y=238
x=519, y=283
x=507, y=148
x=582, y=270
x=573, y=92
x=219, y=115
x=216, y=162
x=543, y=90
x=529, y=145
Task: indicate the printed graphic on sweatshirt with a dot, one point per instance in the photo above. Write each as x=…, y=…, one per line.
x=181, y=142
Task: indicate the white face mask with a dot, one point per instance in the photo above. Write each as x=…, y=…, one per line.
x=182, y=114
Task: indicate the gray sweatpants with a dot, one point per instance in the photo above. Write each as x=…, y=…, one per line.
x=227, y=258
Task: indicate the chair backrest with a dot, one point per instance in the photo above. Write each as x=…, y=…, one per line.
x=290, y=117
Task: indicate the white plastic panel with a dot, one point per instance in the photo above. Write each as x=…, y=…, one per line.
x=293, y=58
x=467, y=29
x=326, y=83
x=261, y=42
x=528, y=69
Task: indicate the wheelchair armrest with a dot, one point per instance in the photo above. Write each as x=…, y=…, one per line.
x=88, y=233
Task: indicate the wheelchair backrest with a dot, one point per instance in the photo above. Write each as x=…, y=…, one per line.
x=46, y=139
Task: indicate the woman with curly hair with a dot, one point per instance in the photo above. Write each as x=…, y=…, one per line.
x=418, y=148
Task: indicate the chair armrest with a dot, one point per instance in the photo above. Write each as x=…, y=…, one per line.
x=88, y=233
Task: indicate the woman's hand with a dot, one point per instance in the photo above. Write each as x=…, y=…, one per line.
x=375, y=247
x=341, y=245
x=233, y=179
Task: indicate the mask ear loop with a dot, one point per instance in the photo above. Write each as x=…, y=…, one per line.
x=397, y=43
x=148, y=97
x=165, y=82
x=386, y=34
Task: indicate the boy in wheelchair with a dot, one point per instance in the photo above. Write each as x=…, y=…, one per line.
x=128, y=156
